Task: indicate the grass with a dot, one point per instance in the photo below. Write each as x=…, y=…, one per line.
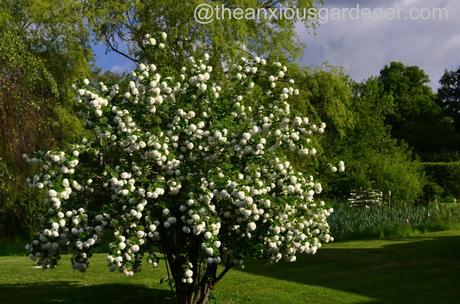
x=418, y=269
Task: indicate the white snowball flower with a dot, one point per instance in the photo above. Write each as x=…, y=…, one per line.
x=188, y=273
x=341, y=166
x=252, y=226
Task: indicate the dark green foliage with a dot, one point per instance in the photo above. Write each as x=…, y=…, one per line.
x=55, y=32
x=31, y=118
x=415, y=117
x=28, y=121
x=449, y=95
x=27, y=94
x=357, y=133
x=12, y=246
x=432, y=192
x=408, y=87
x=446, y=175
x=447, y=156
x=19, y=206
x=43, y=51
x=431, y=138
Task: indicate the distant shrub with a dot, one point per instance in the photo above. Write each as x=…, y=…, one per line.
x=444, y=156
x=432, y=192
x=365, y=198
x=446, y=175
x=20, y=208
x=390, y=171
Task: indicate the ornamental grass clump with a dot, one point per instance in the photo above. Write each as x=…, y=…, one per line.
x=188, y=167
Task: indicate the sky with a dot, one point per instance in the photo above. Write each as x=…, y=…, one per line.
x=362, y=46
x=110, y=61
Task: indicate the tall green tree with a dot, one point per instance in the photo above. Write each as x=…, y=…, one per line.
x=43, y=50
x=56, y=32
x=449, y=95
x=415, y=118
x=28, y=94
x=408, y=86
x=357, y=130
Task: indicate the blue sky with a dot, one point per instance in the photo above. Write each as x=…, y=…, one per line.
x=110, y=61
x=363, y=47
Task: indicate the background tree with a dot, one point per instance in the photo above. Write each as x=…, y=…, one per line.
x=416, y=117
x=27, y=92
x=55, y=31
x=449, y=95
x=356, y=116
x=43, y=50
x=375, y=159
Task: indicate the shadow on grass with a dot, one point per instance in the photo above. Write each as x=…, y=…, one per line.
x=420, y=271
x=68, y=292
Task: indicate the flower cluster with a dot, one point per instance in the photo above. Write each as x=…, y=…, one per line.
x=341, y=168
x=199, y=169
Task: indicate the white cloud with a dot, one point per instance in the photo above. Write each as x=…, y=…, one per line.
x=121, y=68
x=363, y=47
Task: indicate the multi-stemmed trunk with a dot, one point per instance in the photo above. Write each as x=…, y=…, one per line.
x=193, y=295
x=205, y=275
x=197, y=292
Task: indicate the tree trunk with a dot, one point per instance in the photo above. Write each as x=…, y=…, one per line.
x=187, y=294
x=203, y=283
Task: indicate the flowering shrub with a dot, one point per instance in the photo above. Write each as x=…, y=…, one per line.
x=365, y=198
x=186, y=167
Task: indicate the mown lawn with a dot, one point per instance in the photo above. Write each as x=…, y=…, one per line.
x=422, y=269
